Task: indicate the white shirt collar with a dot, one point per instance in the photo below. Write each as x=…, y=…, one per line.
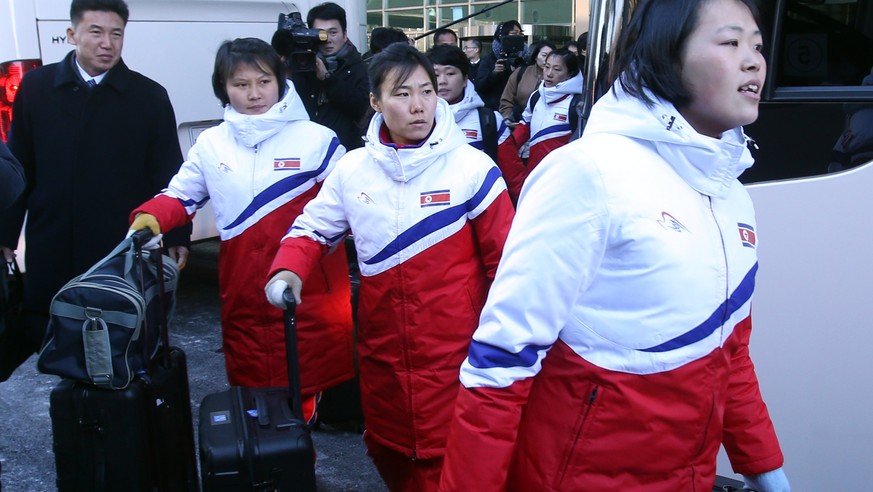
x=86, y=77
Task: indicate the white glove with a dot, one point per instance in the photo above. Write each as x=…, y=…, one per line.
x=150, y=245
x=279, y=283
x=771, y=481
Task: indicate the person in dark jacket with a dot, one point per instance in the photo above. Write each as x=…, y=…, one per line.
x=95, y=139
x=494, y=69
x=336, y=95
x=11, y=178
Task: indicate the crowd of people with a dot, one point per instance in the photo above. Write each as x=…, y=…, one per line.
x=516, y=288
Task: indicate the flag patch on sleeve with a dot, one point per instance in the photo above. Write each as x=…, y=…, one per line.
x=291, y=164
x=747, y=235
x=471, y=134
x=560, y=117
x=435, y=198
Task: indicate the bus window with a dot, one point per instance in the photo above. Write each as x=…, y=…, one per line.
x=824, y=44
x=819, y=90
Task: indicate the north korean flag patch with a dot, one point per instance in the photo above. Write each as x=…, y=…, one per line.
x=289, y=164
x=747, y=235
x=560, y=117
x=435, y=198
x=471, y=134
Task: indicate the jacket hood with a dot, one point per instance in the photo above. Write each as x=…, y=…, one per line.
x=709, y=165
x=470, y=101
x=404, y=163
x=252, y=129
x=571, y=86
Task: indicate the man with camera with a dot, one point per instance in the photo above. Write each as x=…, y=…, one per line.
x=334, y=90
x=495, y=67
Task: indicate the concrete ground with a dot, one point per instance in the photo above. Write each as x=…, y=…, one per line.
x=25, y=426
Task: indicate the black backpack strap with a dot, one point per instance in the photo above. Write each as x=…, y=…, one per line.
x=519, y=73
x=573, y=116
x=488, y=124
x=534, y=99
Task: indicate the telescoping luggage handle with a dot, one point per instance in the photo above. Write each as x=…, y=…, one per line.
x=291, y=353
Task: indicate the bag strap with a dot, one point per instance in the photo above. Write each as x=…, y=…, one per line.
x=488, y=125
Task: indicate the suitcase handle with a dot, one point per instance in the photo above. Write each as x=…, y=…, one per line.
x=263, y=410
x=291, y=353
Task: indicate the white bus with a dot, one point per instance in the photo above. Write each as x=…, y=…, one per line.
x=812, y=185
x=170, y=41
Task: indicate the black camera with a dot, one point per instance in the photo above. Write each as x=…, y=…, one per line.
x=297, y=43
x=512, y=50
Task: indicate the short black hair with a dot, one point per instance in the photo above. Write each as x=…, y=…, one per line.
x=537, y=47
x=252, y=52
x=571, y=61
x=443, y=30
x=402, y=58
x=327, y=11
x=380, y=37
x=446, y=54
x=651, y=46
x=79, y=7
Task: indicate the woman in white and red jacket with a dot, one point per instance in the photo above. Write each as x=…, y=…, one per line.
x=545, y=123
x=259, y=168
x=429, y=215
x=613, y=351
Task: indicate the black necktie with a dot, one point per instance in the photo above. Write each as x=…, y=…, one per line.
x=91, y=83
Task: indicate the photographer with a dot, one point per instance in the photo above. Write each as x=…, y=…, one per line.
x=336, y=92
x=496, y=67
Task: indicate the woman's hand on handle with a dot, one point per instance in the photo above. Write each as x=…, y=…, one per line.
x=279, y=283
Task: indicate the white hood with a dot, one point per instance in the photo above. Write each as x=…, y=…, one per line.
x=573, y=85
x=403, y=164
x=250, y=130
x=469, y=102
x=708, y=165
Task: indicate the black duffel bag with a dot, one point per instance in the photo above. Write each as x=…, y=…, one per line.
x=105, y=324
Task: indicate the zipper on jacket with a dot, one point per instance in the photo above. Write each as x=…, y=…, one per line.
x=726, y=295
x=566, y=463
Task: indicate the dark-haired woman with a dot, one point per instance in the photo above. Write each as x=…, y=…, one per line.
x=429, y=215
x=613, y=351
x=545, y=123
x=523, y=83
x=259, y=168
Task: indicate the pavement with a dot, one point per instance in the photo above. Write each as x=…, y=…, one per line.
x=25, y=426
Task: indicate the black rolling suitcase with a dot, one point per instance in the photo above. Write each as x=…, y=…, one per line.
x=139, y=438
x=255, y=438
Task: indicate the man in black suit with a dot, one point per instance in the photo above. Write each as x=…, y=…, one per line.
x=95, y=139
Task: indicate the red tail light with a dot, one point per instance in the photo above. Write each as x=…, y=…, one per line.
x=10, y=79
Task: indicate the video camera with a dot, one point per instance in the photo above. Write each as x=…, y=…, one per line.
x=297, y=43
x=512, y=50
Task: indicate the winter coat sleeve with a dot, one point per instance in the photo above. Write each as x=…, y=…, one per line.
x=320, y=227
x=349, y=92
x=507, y=99
x=748, y=434
x=485, y=77
x=515, y=331
x=11, y=178
x=510, y=162
x=491, y=228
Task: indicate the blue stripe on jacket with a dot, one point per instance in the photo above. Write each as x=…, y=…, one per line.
x=736, y=300
x=436, y=221
x=283, y=186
